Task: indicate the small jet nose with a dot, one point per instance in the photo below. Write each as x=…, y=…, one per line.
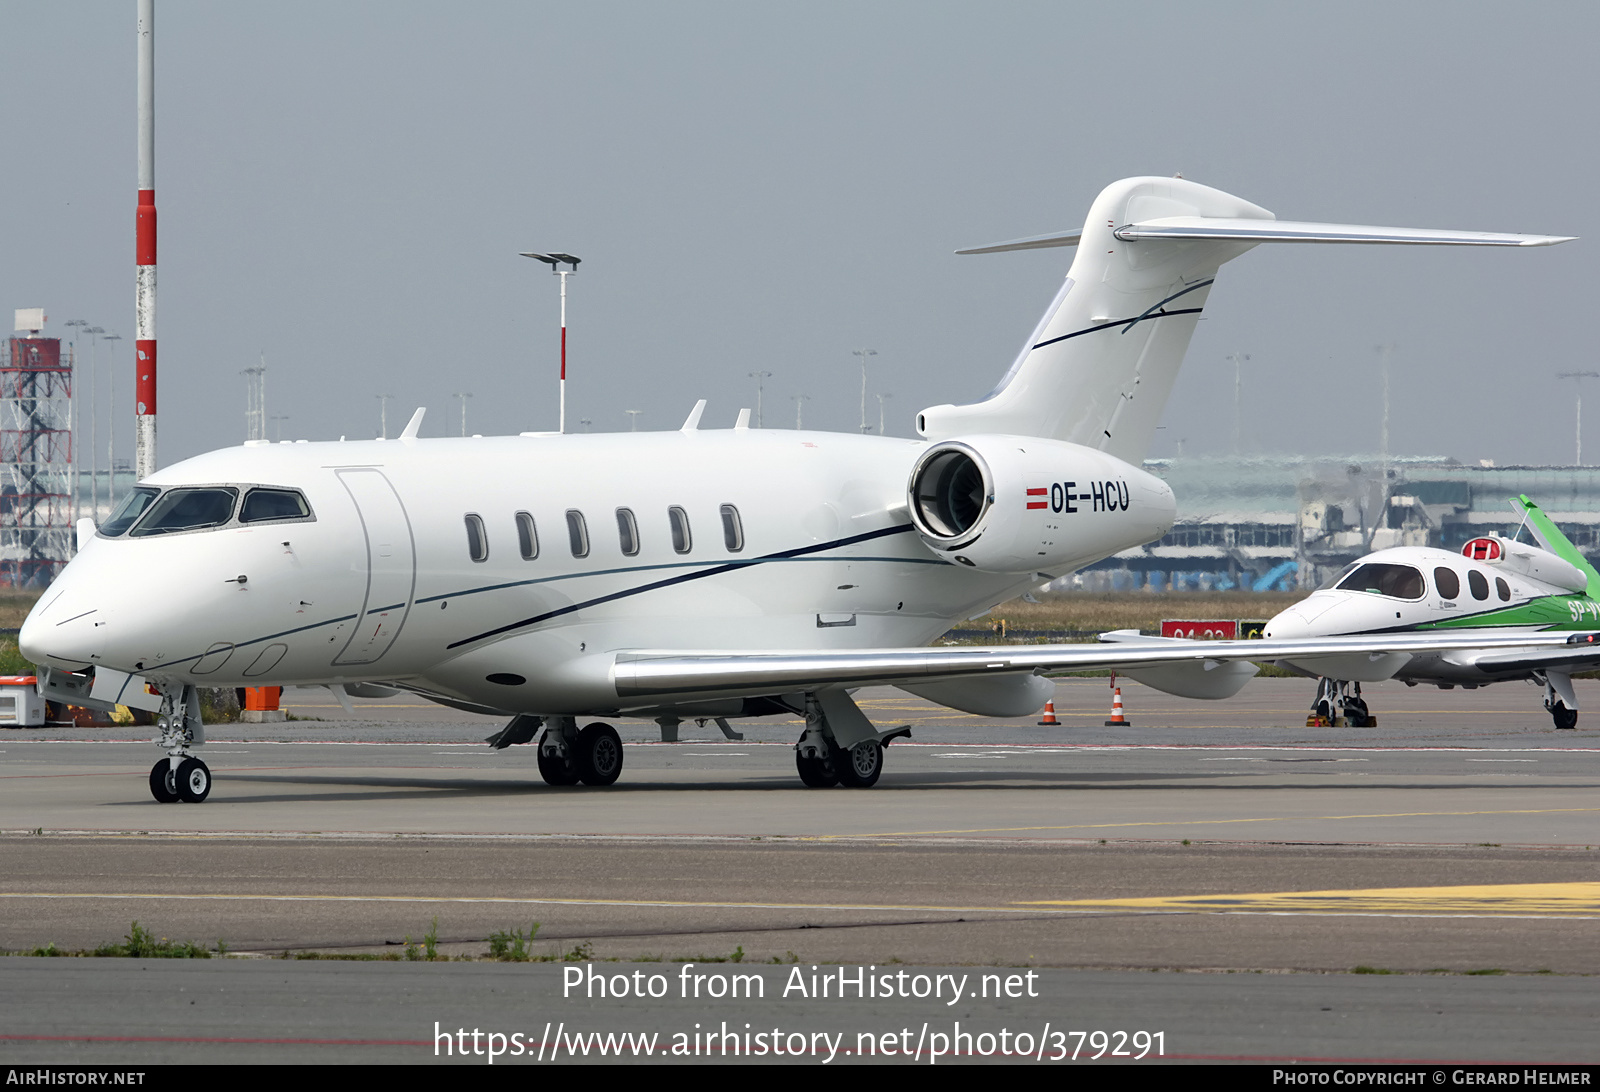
x=1298, y=621
x=62, y=630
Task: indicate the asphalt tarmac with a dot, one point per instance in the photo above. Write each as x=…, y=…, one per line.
x=1214, y=868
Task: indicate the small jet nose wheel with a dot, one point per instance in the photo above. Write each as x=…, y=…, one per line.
x=163, y=783
x=193, y=781
x=1563, y=717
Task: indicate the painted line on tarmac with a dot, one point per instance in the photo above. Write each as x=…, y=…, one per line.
x=1567, y=900
x=1199, y=822
x=111, y=896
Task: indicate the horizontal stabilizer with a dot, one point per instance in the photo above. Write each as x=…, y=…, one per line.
x=1032, y=242
x=1297, y=231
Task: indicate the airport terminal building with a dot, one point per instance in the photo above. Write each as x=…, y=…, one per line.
x=1287, y=522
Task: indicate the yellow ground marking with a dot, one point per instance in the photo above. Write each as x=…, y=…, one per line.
x=1202, y=822
x=1513, y=899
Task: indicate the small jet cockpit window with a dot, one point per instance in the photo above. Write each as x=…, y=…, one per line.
x=1448, y=583
x=1397, y=581
x=1479, y=584
x=261, y=505
x=1338, y=578
x=188, y=510
x=732, y=529
x=132, y=507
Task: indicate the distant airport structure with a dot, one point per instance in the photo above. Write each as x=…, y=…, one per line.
x=36, y=503
x=1290, y=522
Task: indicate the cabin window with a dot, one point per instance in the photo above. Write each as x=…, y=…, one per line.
x=1397, y=581
x=628, y=532
x=1479, y=584
x=577, y=533
x=732, y=529
x=679, y=519
x=527, y=536
x=477, y=539
x=273, y=504
x=188, y=510
x=1502, y=589
x=132, y=507
x=1448, y=583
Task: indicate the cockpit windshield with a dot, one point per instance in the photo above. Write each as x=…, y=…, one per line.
x=188, y=510
x=1396, y=581
x=131, y=508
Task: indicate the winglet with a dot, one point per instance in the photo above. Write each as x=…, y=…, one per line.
x=1551, y=538
x=693, y=421
x=414, y=425
x=744, y=419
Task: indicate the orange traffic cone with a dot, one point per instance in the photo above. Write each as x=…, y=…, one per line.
x=1117, y=719
x=1049, y=720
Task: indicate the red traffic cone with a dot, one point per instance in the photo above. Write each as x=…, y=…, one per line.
x=1049, y=720
x=1117, y=719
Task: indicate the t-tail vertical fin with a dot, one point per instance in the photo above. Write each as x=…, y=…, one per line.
x=1100, y=365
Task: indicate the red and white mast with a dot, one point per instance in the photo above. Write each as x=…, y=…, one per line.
x=555, y=262
x=145, y=252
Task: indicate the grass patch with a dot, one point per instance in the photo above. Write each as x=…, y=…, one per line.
x=140, y=943
x=1364, y=969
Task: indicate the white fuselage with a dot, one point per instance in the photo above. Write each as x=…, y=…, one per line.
x=380, y=583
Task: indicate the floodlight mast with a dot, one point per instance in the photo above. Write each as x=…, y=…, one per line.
x=555, y=262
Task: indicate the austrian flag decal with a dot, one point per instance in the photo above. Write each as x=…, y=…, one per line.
x=1037, y=503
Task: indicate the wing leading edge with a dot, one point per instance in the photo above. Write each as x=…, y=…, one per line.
x=638, y=673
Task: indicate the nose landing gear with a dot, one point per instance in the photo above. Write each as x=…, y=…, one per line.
x=1336, y=706
x=180, y=776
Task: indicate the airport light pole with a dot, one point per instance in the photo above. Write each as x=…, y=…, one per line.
x=144, y=292
x=863, y=354
x=555, y=262
x=1238, y=389
x=799, y=403
x=73, y=416
x=633, y=419
x=94, y=333
x=463, y=396
x=758, y=377
x=1577, y=458
x=278, y=419
x=880, y=399
x=111, y=430
x=383, y=414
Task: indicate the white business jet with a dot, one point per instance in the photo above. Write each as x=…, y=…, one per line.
x=698, y=573
x=1494, y=586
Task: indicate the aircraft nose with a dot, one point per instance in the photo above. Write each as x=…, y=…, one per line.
x=1299, y=620
x=63, y=630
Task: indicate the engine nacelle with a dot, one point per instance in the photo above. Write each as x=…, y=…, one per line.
x=1019, y=504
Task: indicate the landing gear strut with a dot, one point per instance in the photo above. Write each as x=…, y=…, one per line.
x=1337, y=706
x=1559, y=700
x=819, y=757
x=180, y=776
x=568, y=756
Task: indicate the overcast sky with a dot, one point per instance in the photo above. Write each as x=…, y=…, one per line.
x=766, y=187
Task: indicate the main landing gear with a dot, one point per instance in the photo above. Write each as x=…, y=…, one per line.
x=180, y=776
x=1559, y=700
x=1337, y=706
x=839, y=745
x=568, y=756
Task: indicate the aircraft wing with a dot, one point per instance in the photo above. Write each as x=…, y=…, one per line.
x=649, y=672
x=1585, y=657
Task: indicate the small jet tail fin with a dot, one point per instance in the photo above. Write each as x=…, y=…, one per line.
x=1099, y=366
x=1551, y=538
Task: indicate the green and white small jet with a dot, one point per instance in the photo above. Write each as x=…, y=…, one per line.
x=1495, y=585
